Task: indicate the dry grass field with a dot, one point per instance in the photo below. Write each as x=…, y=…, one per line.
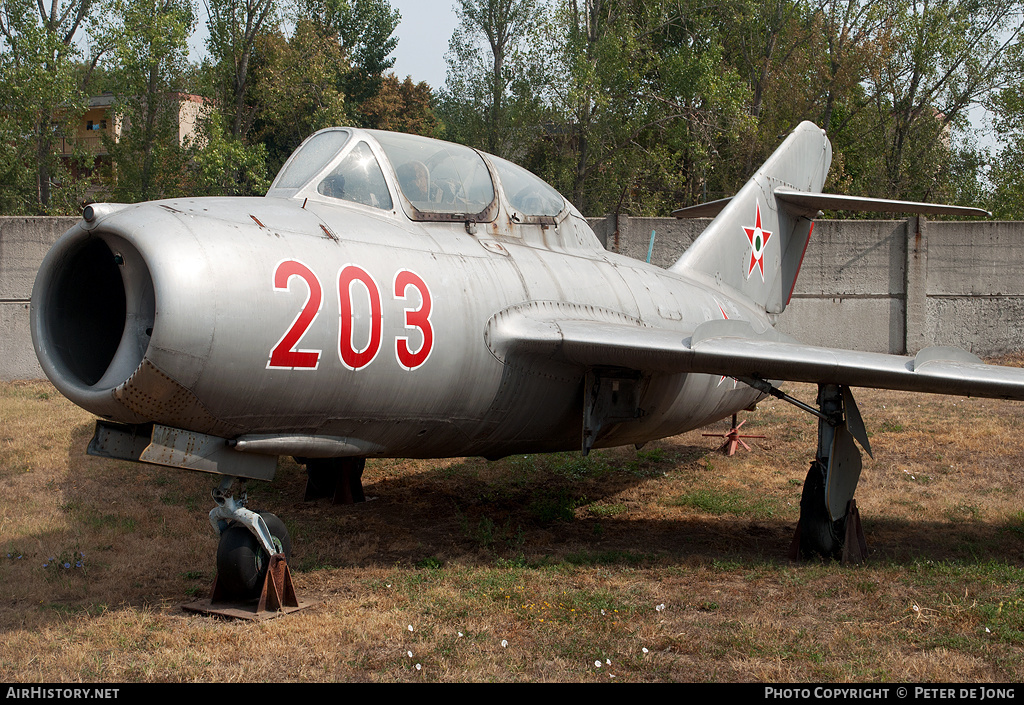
x=664, y=564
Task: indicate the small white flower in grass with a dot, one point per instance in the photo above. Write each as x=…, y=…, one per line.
x=410, y=653
x=660, y=607
x=460, y=635
x=645, y=650
x=418, y=667
x=987, y=630
x=504, y=644
x=597, y=664
x=410, y=627
x=602, y=613
x=608, y=661
x=916, y=608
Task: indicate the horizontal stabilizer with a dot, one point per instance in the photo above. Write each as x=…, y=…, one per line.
x=808, y=204
x=702, y=210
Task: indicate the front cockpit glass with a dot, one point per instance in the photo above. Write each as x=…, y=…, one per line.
x=527, y=193
x=311, y=157
x=438, y=177
x=358, y=178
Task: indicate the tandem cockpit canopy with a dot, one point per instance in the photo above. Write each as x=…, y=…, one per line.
x=431, y=180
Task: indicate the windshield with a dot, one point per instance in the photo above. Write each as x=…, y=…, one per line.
x=438, y=177
x=357, y=178
x=311, y=157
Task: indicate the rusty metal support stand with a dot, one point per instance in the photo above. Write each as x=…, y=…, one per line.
x=855, y=546
x=278, y=590
x=733, y=438
x=277, y=598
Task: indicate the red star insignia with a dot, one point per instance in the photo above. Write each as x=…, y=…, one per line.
x=758, y=240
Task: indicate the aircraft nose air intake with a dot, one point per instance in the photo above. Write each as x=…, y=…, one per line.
x=93, y=313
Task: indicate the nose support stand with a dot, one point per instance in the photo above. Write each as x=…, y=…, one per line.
x=277, y=592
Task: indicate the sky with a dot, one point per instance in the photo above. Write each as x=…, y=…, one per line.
x=423, y=36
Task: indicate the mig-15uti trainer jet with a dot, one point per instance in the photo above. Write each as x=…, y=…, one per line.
x=398, y=296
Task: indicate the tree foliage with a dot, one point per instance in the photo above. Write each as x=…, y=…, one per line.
x=494, y=72
x=635, y=106
x=648, y=104
x=40, y=82
x=148, y=63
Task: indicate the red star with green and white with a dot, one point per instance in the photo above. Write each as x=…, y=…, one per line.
x=758, y=240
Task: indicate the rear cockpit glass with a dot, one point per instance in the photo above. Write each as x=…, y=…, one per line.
x=311, y=157
x=358, y=178
x=438, y=177
x=526, y=193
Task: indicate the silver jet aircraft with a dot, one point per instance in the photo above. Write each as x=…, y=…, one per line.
x=398, y=296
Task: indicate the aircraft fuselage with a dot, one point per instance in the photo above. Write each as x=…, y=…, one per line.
x=271, y=317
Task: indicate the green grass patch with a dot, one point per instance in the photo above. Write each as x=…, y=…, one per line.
x=607, y=510
x=720, y=502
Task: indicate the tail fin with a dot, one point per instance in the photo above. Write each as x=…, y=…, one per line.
x=754, y=245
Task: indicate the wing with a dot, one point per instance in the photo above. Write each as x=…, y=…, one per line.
x=733, y=348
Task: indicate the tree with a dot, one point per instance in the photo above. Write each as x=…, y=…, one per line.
x=234, y=26
x=220, y=164
x=276, y=89
x=364, y=30
x=297, y=88
x=402, y=106
x=945, y=56
x=1007, y=169
x=149, y=62
x=40, y=83
x=480, y=86
x=642, y=101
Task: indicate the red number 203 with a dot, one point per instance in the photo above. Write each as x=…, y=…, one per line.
x=414, y=319
x=285, y=356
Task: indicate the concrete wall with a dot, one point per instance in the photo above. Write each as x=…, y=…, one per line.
x=23, y=243
x=883, y=286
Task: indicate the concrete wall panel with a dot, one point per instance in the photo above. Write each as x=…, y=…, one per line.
x=982, y=325
x=869, y=259
x=23, y=243
x=17, y=356
x=975, y=259
x=868, y=324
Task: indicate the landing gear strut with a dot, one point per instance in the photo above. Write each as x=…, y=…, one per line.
x=253, y=579
x=829, y=521
x=829, y=524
